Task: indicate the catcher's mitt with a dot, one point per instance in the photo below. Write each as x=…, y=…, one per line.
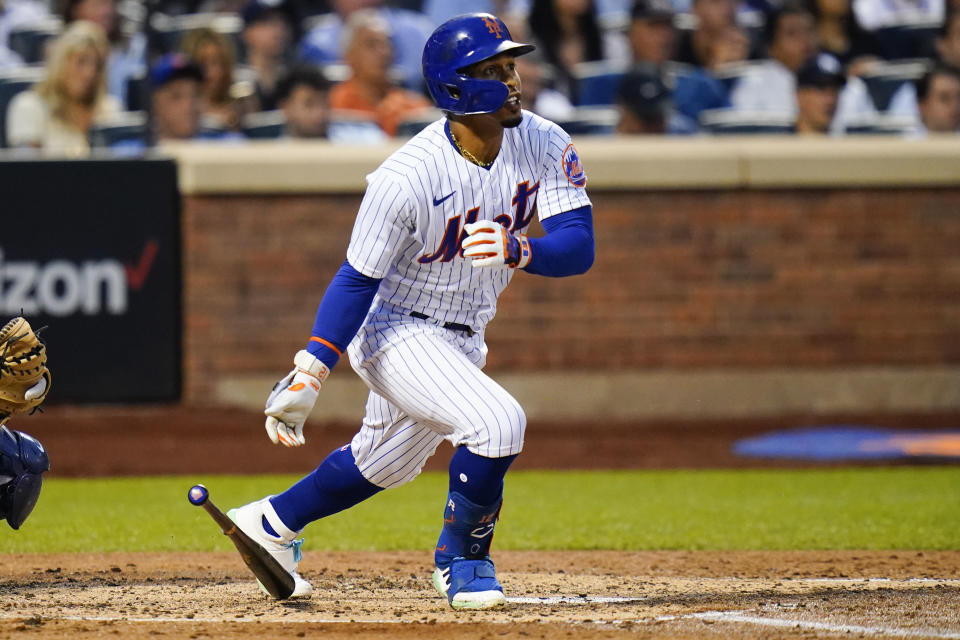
x=24, y=377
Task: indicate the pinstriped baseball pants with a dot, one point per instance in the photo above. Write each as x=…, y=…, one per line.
x=426, y=385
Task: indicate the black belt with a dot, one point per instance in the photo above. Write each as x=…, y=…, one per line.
x=456, y=326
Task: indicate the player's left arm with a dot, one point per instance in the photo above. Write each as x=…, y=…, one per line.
x=568, y=247
x=565, y=212
x=566, y=250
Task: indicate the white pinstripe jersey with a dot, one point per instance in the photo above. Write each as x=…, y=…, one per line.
x=410, y=224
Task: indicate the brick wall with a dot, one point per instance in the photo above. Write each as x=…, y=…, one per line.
x=719, y=279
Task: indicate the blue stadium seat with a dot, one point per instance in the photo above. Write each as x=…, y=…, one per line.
x=596, y=83
x=138, y=92
x=29, y=40
x=12, y=82
x=907, y=41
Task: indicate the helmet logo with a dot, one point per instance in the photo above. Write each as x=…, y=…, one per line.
x=494, y=27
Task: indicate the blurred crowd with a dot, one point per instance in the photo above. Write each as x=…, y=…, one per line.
x=126, y=75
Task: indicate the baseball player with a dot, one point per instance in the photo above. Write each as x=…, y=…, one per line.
x=24, y=385
x=439, y=234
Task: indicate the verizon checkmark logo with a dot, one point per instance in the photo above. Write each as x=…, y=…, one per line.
x=137, y=274
x=61, y=287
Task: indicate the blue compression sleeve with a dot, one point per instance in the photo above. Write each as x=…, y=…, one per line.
x=567, y=249
x=341, y=312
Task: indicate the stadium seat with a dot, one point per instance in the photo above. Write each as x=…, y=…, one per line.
x=264, y=125
x=884, y=78
x=731, y=122
x=411, y=126
x=882, y=125
x=170, y=30
x=591, y=121
x=125, y=128
x=12, y=82
x=907, y=41
x=29, y=40
x=730, y=74
x=357, y=127
x=596, y=83
x=138, y=92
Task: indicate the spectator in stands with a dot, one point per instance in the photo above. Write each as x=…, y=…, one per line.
x=713, y=18
x=409, y=30
x=643, y=102
x=303, y=95
x=697, y=89
x=224, y=101
x=57, y=114
x=770, y=86
x=838, y=33
x=819, y=82
x=938, y=101
x=948, y=40
x=128, y=52
x=652, y=34
x=369, y=54
x=266, y=37
x=567, y=33
x=176, y=103
x=903, y=103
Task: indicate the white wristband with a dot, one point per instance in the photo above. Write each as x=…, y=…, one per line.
x=307, y=362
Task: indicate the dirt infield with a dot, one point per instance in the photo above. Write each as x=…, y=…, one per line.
x=551, y=595
x=589, y=594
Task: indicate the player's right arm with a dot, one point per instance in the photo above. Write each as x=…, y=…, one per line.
x=382, y=224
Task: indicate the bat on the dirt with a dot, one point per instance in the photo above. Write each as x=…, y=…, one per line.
x=277, y=581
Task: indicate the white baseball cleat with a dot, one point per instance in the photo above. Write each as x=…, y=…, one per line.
x=285, y=547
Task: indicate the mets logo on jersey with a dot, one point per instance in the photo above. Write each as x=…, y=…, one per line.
x=572, y=166
x=493, y=27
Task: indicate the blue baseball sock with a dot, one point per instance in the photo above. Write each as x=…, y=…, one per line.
x=335, y=485
x=478, y=479
x=473, y=506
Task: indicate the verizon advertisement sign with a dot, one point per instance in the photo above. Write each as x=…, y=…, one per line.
x=96, y=258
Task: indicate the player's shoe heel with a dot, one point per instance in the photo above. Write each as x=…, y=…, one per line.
x=469, y=584
x=286, y=549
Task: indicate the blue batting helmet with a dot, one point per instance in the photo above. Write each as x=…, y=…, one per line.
x=22, y=463
x=460, y=42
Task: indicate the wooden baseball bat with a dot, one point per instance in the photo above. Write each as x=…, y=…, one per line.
x=274, y=578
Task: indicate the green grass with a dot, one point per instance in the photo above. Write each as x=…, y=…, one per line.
x=867, y=508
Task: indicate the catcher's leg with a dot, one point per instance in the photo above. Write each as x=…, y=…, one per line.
x=23, y=460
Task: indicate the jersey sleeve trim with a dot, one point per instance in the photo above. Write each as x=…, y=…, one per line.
x=327, y=343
